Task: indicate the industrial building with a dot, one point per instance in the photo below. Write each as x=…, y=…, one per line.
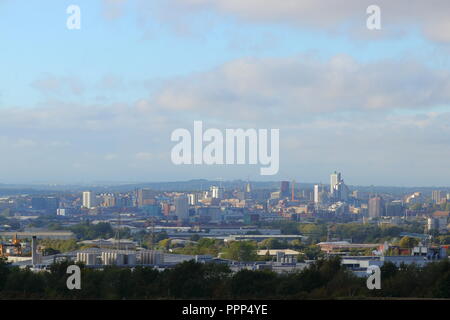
x=420, y=255
x=287, y=237
x=98, y=257
x=56, y=235
x=111, y=243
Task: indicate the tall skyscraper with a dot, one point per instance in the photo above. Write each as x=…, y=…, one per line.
x=335, y=178
x=394, y=209
x=216, y=192
x=316, y=194
x=109, y=200
x=193, y=200
x=438, y=196
x=145, y=197
x=89, y=199
x=182, y=207
x=376, y=207
x=284, y=189
x=338, y=189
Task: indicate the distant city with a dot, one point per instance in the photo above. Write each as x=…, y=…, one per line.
x=224, y=150
x=225, y=211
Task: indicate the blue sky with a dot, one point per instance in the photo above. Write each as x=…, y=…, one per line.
x=98, y=104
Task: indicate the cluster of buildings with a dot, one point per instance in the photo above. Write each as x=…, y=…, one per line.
x=229, y=214
x=238, y=206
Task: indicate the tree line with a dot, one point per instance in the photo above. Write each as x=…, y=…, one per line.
x=324, y=279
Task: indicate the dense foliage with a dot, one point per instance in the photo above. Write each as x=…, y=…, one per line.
x=323, y=279
x=357, y=232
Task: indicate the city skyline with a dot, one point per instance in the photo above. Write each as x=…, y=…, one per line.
x=100, y=103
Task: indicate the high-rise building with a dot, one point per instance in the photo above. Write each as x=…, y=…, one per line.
x=182, y=207
x=36, y=257
x=165, y=207
x=338, y=189
x=341, y=191
x=145, y=197
x=109, y=200
x=89, y=199
x=335, y=178
x=284, y=189
x=376, y=207
x=316, y=194
x=193, y=199
x=438, y=196
x=394, y=209
x=216, y=192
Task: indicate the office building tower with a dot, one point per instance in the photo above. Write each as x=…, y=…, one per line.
x=89, y=199
x=216, y=192
x=394, y=209
x=335, y=178
x=182, y=207
x=36, y=257
x=192, y=199
x=316, y=194
x=438, y=196
x=284, y=189
x=109, y=200
x=165, y=207
x=376, y=207
x=145, y=197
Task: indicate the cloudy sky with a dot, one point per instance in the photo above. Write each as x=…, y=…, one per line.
x=100, y=103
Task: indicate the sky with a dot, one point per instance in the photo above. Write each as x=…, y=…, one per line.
x=100, y=103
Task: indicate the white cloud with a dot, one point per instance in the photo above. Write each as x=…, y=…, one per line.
x=144, y=156
x=50, y=84
x=110, y=156
x=333, y=15
x=283, y=89
x=113, y=9
x=335, y=113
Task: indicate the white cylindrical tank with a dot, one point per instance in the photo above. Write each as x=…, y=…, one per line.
x=131, y=259
x=120, y=259
x=151, y=257
x=88, y=258
x=109, y=258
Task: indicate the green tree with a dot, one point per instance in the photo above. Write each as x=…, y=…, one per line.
x=241, y=251
x=408, y=242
